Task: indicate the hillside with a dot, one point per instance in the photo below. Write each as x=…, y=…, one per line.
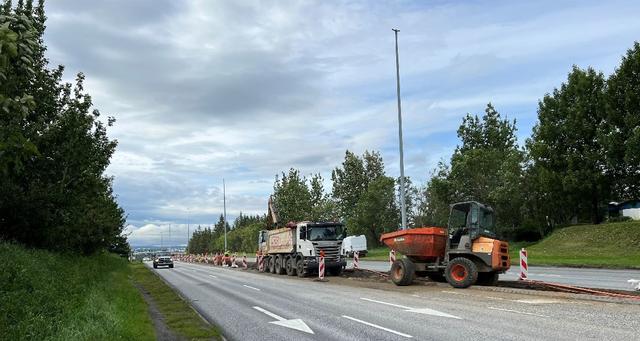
x=615, y=245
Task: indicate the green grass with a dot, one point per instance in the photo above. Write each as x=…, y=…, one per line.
x=613, y=245
x=379, y=253
x=178, y=315
x=48, y=296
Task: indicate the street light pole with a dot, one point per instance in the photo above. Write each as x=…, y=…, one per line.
x=188, y=228
x=403, y=211
x=224, y=213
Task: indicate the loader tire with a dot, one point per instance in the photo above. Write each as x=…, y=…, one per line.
x=402, y=272
x=461, y=273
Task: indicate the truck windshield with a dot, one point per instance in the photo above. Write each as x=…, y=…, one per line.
x=334, y=232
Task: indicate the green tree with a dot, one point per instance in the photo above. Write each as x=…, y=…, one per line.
x=53, y=147
x=292, y=197
x=621, y=131
x=376, y=211
x=486, y=167
x=567, y=151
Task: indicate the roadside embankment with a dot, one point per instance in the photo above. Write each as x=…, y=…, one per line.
x=49, y=296
x=612, y=245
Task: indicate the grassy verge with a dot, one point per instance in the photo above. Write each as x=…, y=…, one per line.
x=47, y=296
x=613, y=245
x=178, y=315
x=379, y=253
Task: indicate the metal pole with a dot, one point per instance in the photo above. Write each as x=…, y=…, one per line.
x=403, y=211
x=188, y=228
x=169, y=237
x=224, y=213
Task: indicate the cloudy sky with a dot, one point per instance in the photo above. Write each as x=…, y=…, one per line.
x=243, y=90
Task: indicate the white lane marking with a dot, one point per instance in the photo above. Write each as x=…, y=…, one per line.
x=377, y=326
x=296, y=324
x=250, y=287
x=425, y=311
x=213, y=276
x=538, y=301
x=517, y=312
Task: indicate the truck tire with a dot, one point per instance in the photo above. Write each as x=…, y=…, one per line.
x=461, y=273
x=272, y=264
x=171, y=266
x=402, y=272
x=155, y=266
x=290, y=266
x=280, y=266
x=488, y=278
x=300, y=269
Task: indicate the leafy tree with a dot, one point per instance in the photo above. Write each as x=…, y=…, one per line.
x=621, y=131
x=53, y=147
x=292, y=197
x=566, y=149
x=376, y=211
x=349, y=183
x=486, y=167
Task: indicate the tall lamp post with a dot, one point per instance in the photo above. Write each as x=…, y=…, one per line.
x=224, y=213
x=403, y=211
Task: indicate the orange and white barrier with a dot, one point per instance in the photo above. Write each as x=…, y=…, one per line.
x=524, y=267
x=244, y=262
x=233, y=261
x=356, y=260
x=321, y=266
x=392, y=257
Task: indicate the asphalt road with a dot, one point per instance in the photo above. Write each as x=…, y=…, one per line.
x=252, y=306
x=584, y=277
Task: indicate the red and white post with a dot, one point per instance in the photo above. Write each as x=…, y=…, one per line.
x=524, y=267
x=244, y=262
x=233, y=261
x=321, y=266
x=356, y=260
x=260, y=262
x=392, y=257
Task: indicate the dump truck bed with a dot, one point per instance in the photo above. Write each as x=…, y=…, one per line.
x=420, y=244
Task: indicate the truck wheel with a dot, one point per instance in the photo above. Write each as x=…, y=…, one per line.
x=300, y=270
x=171, y=266
x=461, y=273
x=488, y=278
x=280, y=270
x=155, y=266
x=272, y=264
x=402, y=272
x=290, y=266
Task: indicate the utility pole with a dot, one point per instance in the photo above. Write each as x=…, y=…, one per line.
x=188, y=237
x=169, y=238
x=224, y=213
x=403, y=211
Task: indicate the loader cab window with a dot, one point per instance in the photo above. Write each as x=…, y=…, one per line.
x=458, y=219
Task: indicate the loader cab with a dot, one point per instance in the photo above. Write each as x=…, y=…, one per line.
x=467, y=222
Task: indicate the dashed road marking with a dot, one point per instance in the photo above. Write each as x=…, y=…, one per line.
x=377, y=326
x=426, y=311
x=250, y=287
x=213, y=276
x=517, y=312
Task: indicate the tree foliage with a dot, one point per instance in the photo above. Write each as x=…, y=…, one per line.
x=54, y=148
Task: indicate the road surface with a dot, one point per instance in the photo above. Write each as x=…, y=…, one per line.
x=590, y=278
x=252, y=306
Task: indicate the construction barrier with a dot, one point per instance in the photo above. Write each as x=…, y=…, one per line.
x=356, y=259
x=524, y=267
x=321, y=266
x=233, y=261
x=244, y=262
x=260, y=262
x=392, y=257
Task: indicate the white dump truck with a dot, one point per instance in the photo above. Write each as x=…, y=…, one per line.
x=295, y=248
